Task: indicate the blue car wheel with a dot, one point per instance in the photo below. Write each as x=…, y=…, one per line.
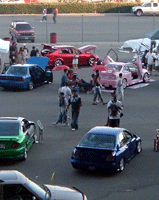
x=121, y=164
x=30, y=85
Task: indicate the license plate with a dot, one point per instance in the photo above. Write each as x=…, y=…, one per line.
x=2, y=146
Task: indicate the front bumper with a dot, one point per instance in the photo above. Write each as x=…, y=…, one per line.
x=26, y=37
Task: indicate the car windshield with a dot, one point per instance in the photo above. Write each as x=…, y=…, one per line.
x=9, y=128
x=17, y=70
x=43, y=193
x=98, y=140
x=23, y=27
x=114, y=66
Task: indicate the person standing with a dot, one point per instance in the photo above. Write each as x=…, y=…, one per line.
x=97, y=91
x=55, y=12
x=119, y=89
x=33, y=52
x=76, y=103
x=150, y=59
x=44, y=15
x=62, y=118
x=13, y=58
x=75, y=61
x=64, y=78
x=114, y=112
x=20, y=56
x=25, y=52
x=67, y=91
x=157, y=62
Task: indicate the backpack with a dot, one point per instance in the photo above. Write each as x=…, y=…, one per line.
x=114, y=110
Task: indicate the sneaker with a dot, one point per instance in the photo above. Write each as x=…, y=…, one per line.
x=94, y=103
x=41, y=21
x=65, y=124
x=73, y=129
x=104, y=103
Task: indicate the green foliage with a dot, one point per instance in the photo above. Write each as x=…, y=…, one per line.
x=74, y=6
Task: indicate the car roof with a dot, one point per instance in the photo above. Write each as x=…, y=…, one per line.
x=11, y=118
x=12, y=176
x=106, y=130
x=23, y=65
x=62, y=46
x=20, y=22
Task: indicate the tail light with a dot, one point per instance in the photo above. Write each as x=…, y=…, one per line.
x=12, y=78
x=111, y=157
x=77, y=154
x=15, y=145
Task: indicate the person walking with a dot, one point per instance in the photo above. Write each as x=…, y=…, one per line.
x=119, y=89
x=64, y=78
x=67, y=91
x=62, y=118
x=97, y=91
x=33, y=52
x=76, y=103
x=55, y=12
x=114, y=112
x=44, y=15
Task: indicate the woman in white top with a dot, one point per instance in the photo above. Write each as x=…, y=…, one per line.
x=75, y=61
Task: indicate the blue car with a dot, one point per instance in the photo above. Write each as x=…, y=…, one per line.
x=27, y=76
x=106, y=148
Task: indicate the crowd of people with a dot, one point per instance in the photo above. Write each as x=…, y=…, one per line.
x=68, y=97
x=20, y=56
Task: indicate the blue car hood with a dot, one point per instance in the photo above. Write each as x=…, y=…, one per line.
x=40, y=61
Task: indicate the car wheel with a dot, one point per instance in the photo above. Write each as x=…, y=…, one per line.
x=138, y=147
x=25, y=153
x=121, y=164
x=139, y=13
x=146, y=78
x=91, y=61
x=57, y=63
x=30, y=85
x=124, y=83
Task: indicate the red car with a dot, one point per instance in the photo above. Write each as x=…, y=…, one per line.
x=63, y=55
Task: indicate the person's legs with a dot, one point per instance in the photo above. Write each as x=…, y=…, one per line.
x=95, y=95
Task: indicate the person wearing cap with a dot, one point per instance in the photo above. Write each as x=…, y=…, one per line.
x=76, y=103
x=26, y=52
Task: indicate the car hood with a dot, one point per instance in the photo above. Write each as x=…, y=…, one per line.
x=62, y=193
x=87, y=48
x=40, y=61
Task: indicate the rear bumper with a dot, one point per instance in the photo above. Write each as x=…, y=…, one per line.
x=14, y=84
x=12, y=153
x=88, y=165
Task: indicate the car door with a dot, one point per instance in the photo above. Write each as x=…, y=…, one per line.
x=148, y=8
x=34, y=75
x=127, y=73
x=155, y=8
x=28, y=130
x=130, y=142
x=40, y=75
x=67, y=55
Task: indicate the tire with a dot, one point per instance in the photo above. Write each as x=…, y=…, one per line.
x=121, y=164
x=30, y=85
x=124, y=83
x=91, y=60
x=138, y=147
x=139, y=13
x=25, y=153
x=146, y=78
x=58, y=62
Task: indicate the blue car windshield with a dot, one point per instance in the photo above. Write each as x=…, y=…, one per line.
x=17, y=70
x=9, y=128
x=114, y=66
x=98, y=140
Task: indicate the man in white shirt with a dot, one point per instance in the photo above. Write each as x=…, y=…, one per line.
x=66, y=90
x=150, y=60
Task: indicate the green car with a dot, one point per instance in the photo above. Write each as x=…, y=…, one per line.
x=17, y=135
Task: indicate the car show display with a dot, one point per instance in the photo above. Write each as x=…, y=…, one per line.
x=106, y=148
x=63, y=55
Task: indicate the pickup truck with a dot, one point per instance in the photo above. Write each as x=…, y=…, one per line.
x=146, y=8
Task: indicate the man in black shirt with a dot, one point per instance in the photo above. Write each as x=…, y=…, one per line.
x=33, y=52
x=76, y=103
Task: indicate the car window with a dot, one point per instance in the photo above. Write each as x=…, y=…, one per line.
x=98, y=140
x=132, y=68
x=16, y=191
x=114, y=66
x=124, y=138
x=23, y=27
x=9, y=128
x=148, y=5
x=128, y=136
x=17, y=70
x=65, y=51
x=126, y=68
x=155, y=4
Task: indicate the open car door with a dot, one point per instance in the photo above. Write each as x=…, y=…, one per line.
x=111, y=56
